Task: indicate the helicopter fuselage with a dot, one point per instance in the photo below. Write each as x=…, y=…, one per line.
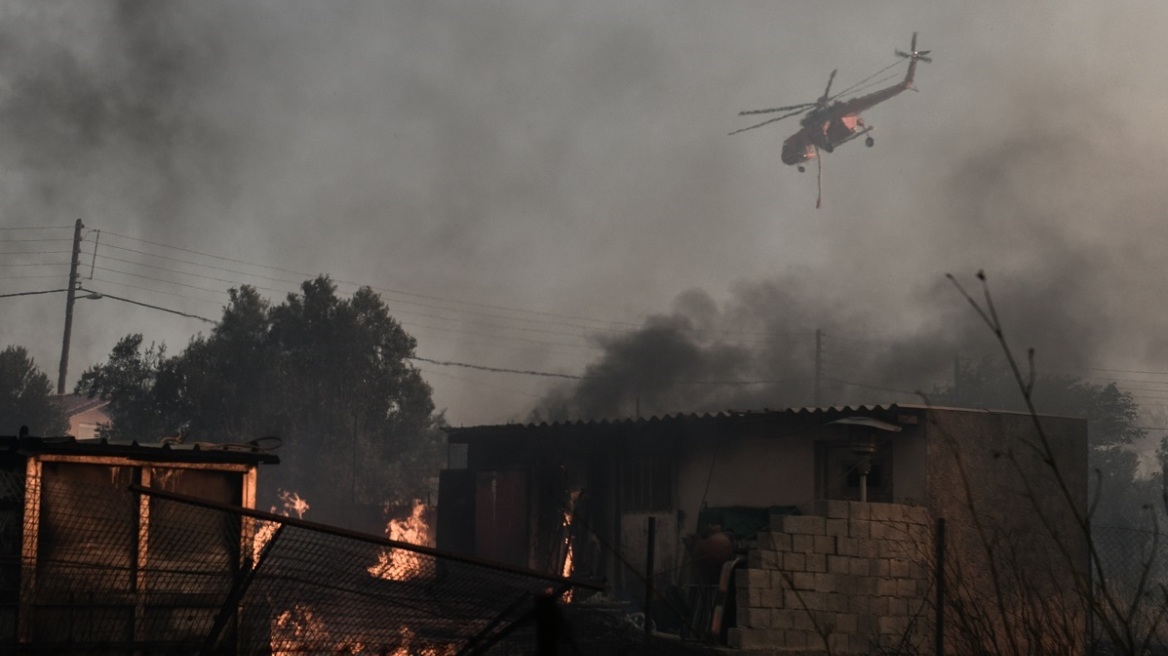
x=826, y=133
x=828, y=127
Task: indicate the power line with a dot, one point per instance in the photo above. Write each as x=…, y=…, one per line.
x=147, y=305
x=47, y=291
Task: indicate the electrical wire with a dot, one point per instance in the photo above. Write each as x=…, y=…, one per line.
x=47, y=291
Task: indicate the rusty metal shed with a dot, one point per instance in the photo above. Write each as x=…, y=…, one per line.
x=84, y=561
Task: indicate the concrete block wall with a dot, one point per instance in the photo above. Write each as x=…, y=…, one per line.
x=845, y=578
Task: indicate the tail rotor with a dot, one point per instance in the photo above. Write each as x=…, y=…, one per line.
x=914, y=54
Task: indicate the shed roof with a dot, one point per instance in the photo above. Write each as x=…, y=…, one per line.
x=461, y=435
x=202, y=452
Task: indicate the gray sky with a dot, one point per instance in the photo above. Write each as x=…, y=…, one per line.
x=516, y=177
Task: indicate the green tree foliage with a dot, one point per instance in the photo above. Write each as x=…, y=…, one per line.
x=1112, y=428
x=26, y=397
x=327, y=375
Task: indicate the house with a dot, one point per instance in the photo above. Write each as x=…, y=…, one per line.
x=88, y=563
x=821, y=525
x=85, y=414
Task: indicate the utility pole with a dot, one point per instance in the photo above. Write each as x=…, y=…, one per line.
x=70, y=297
x=818, y=367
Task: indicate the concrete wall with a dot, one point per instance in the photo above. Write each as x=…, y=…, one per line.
x=1009, y=505
x=851, y=579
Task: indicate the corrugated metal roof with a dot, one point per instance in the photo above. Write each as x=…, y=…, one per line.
x=695, y=418
x=152, y=451
x=686, y=418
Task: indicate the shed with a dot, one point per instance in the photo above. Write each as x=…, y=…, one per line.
x=86, y=563
x=578, y=496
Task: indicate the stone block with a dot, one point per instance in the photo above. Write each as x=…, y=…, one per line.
x=794, y=639
x=880, y=568
x=847, y=546
x=893, y=549
x=860, y=644
x=746, y=638
x=803, y=581
x=762, y=559
x=805, y=599
x=783, y=618
x=752, y=578
x=794, y=562
x=816, y=562
x=754, y=618
x=846, y=623
x=837, y=603
x=859, y=567
x=857, y=510
x=837, y=643
x=868, y=548
x=906, y=587
x=781, y=542
x=877, y=606
x=838, y=565
x=804, y=620
x=847, y=584
x=880, y=512
x=866, y=585
x=898, y=607
x=859, y=528
x=802, y=543
x=780, y=580
x=814, y=600
x=837, y=526
x=824, y=544
x=892, y=625
x=886, y=587
x=824, y=582
x=772, y=598
x=899, y=568
x=920, y=516
x=802, y=524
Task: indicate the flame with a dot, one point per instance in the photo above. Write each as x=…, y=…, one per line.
x=293, y=504
x=399, y=564
x=566, y=531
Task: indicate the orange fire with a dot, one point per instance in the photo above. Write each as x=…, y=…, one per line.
x=293, y=505
x=399, y=564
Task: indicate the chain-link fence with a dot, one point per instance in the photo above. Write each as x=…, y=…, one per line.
x=117, y=568
x=1131, y=585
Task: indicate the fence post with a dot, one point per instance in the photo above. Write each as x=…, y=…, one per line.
x=649, y=574
x=939, y=625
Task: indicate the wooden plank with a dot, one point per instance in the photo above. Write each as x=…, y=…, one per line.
x=28, y=548
x=142, y=556
x=115, y=461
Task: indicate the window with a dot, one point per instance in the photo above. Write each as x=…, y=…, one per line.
x=647, y=485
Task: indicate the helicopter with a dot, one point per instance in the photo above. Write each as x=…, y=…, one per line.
x=829, y=122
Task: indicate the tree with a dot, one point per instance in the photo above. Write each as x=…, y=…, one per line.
x=128, y=381
x=26, y=397
x=329, y=376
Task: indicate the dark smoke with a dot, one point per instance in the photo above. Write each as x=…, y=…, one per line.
x=102, y=112
x=759, y=349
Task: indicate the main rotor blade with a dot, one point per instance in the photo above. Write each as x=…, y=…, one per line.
x=759, y=125
x=827, y=91
x=775, y=109
x=914, y=43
